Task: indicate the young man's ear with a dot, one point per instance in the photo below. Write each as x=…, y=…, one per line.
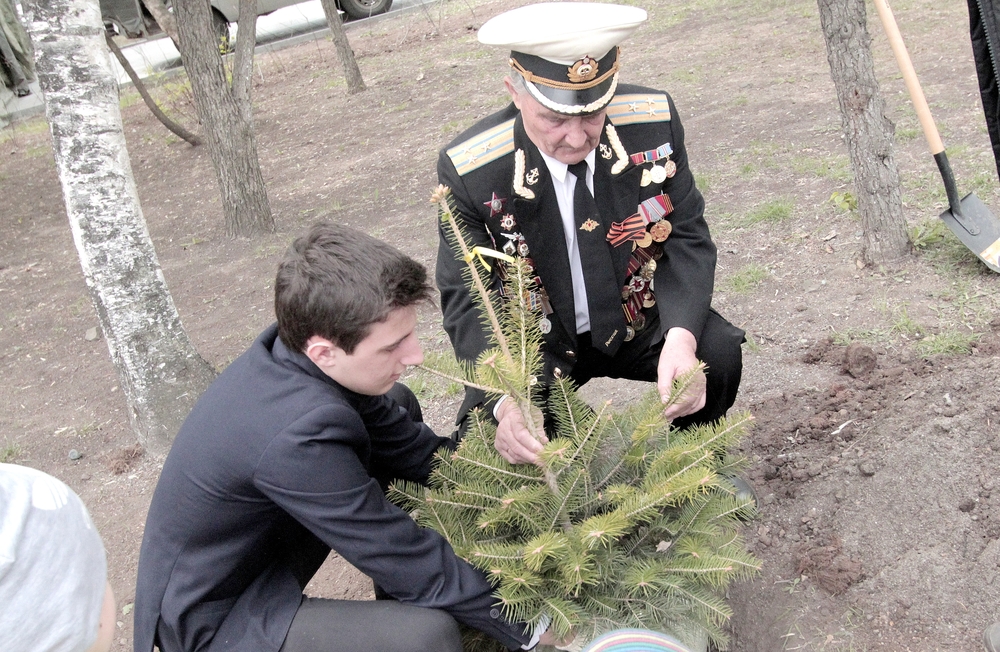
x=322, y=351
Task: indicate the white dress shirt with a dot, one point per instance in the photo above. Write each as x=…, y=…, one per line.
x=565, y=184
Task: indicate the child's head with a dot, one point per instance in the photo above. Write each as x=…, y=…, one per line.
x=53, y=573
x=337, y=282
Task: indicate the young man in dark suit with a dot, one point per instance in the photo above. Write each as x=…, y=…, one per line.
x=588, y=180
x=283, y=459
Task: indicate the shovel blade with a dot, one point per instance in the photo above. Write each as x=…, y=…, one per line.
x=977, y=216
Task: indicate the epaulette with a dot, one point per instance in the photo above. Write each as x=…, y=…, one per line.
x=637, y=108
x=485, y=147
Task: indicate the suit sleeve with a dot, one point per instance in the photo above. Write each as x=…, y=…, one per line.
x=463, y=320
x=313, y=472
x=685, y=277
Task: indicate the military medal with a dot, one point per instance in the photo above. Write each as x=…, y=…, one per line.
x=661, y=230
x=646, y=178
x=629, y=333
x=658, y=173
x=544, y=325
x=496, y=205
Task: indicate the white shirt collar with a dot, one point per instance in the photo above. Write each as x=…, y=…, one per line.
x=558, y=169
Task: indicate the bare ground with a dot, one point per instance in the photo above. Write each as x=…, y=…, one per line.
x=880, y=522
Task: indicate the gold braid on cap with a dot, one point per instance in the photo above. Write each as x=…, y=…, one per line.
x=569, y=86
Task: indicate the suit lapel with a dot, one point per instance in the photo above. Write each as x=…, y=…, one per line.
x=617, y=197
x=540, y=223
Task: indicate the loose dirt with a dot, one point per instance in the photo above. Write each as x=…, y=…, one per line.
x=874, y=390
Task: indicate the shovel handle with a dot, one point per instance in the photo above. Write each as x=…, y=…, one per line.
x=909, y=77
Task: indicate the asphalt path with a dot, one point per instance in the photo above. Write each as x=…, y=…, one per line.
x=282, y=28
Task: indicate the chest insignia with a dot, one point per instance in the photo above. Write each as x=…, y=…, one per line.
x=496, y=204
x=519, y=176
x=619, y=150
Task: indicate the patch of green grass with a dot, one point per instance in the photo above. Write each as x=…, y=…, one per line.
x=949, y=342
x=10, y=452
x=903, y=324
x=772, y=212
x=904, y=134
x=32, y=127
x=746, y=279
x=428, y=385
x=837, y=168
x=851, y=335
x=703, y=182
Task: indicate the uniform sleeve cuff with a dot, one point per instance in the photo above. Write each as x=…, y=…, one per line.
x=543, y=624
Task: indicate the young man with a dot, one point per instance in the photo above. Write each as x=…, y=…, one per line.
x=588, y=180
x=54, y=592
x=283, y=458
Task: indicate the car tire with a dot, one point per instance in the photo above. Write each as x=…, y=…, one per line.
x=364, y=8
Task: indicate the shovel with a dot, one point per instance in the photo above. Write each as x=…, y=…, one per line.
x=969, y=219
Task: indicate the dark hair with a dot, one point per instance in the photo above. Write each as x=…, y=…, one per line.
x=337, y=282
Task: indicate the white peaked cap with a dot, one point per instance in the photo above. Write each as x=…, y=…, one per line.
x=563, y=32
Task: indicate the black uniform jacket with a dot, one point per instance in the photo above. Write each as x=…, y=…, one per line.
x=276, y=465
x=495, y=160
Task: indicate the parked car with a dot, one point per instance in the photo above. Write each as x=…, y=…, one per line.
x=130, y=17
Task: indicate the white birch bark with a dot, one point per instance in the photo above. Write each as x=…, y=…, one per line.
x=159, y=370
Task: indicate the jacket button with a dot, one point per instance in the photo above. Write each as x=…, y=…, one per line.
x=557, y=372
x=571, y=354
x=494, y=613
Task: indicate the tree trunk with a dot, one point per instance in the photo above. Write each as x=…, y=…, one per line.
x=146, y=97
x=158, y=10
x=869, y=132
x=228, y=126
x=159, y=370
x=355, y=83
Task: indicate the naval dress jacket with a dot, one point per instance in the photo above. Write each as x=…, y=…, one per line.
x=276, y=465
x=495, y=160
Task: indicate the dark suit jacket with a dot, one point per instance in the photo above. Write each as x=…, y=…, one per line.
x=276, y=465
x=482, y=162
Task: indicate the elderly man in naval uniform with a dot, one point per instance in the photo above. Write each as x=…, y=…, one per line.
x=588, y=181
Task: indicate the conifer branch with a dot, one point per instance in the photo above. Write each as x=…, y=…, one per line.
x=461, y=381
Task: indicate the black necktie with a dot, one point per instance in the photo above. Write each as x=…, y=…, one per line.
x=604, y=298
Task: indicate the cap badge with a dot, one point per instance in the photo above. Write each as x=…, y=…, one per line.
x=583, y=70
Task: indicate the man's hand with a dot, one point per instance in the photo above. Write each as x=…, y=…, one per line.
x=677, y=357
x=514, y=441
x=568, y=642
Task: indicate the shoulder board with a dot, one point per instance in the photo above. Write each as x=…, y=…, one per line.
x=636, y=108
x=485, y=147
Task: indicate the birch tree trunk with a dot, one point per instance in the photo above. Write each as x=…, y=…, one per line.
x=225, y=113
x=869, y=132
x=159, y=370
x=355, y=83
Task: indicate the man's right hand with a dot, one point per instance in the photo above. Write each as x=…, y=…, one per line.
x=514, y=441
